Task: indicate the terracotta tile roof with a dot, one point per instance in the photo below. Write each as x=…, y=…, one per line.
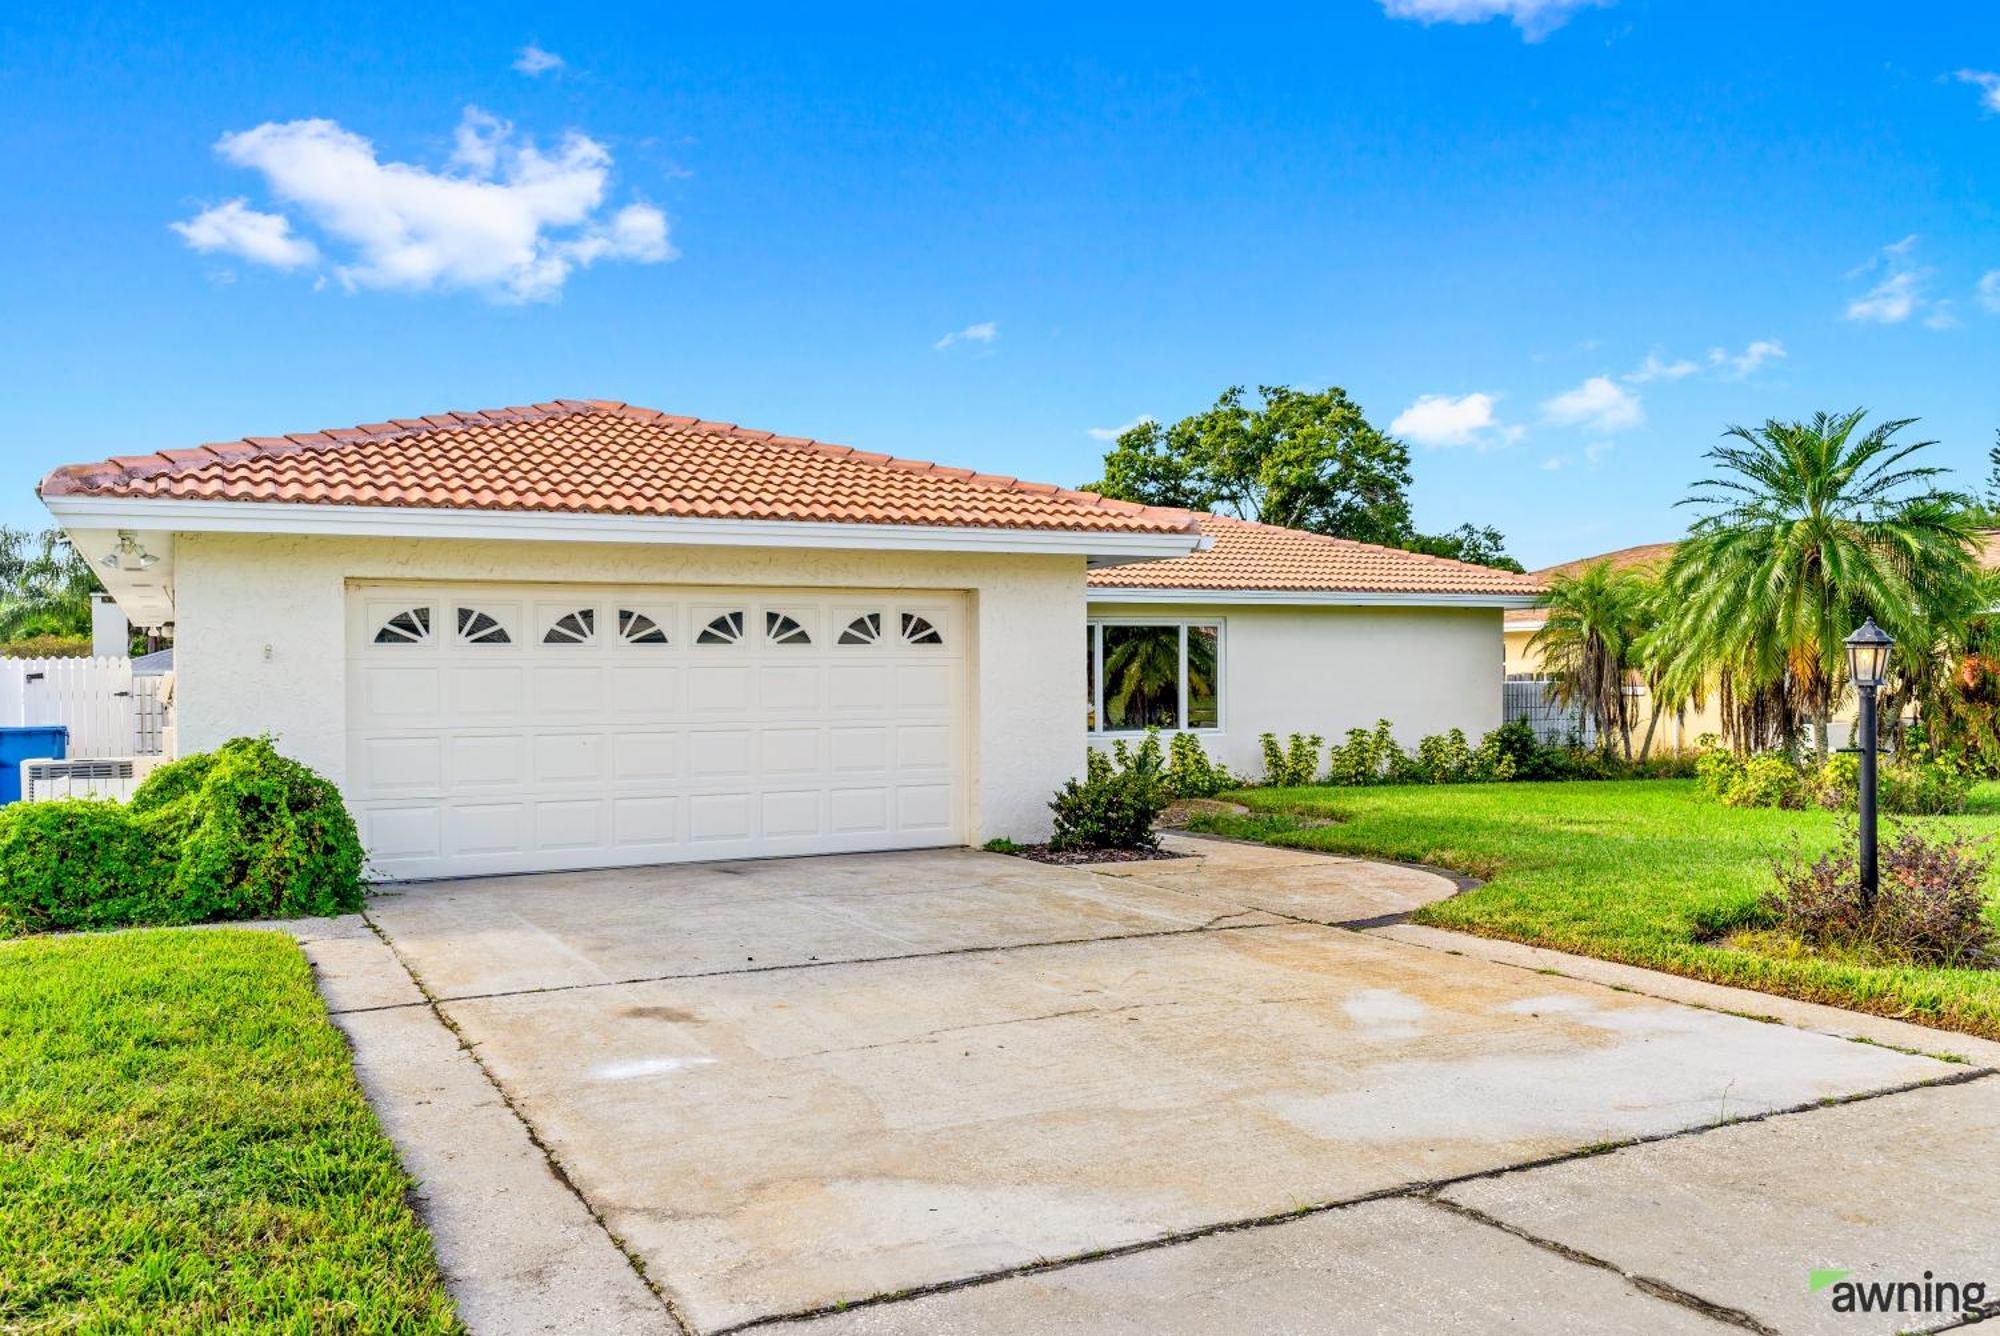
x=1263, y=556
x=1649, y=557
x=599, y=457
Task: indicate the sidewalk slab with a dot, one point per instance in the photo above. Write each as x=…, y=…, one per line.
x=519, y=1251
x=1387, y=1267
x=1887, y=1188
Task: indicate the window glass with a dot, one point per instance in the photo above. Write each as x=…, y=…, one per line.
x=1202, y=670
x=1142, y=677
x=1090, y=677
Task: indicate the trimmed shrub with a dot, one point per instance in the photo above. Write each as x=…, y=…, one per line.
x=1909, y=784
x=241, y=832
x=1442, y=759
x=1116, y=803
x=1190, y=774
x=81, y=863
x=1930, y=908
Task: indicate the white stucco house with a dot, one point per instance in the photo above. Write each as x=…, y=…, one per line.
x=584, y=634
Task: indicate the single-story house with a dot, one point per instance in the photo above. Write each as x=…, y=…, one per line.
x=585, y=634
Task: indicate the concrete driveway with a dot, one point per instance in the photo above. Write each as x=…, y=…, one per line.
x=1193, y=1095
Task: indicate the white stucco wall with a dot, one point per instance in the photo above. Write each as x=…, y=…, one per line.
x=260, y=625
x=1328, y=669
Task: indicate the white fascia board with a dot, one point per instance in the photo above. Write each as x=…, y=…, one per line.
x=1307, y=598
x=542, y=526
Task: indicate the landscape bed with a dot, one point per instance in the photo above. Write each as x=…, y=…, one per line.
x=183, y=1147
x=1644, y=871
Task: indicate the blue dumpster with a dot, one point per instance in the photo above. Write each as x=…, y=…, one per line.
x=27, y=744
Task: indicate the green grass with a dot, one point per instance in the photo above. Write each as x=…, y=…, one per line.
x=183, y=1148
x=1640, y=871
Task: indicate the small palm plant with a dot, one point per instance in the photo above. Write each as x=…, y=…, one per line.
x=1589, y=645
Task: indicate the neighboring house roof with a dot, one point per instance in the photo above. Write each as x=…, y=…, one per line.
x=602, y=458
x=1245, y=557
x=153, y=665
x=1649, y=557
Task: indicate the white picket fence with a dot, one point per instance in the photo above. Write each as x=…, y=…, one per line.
x=109, y=712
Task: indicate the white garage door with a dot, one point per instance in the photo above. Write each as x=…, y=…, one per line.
x=522, y=728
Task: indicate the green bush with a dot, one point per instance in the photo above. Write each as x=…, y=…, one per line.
x=1116, y=803
x=1294, y=763
x=241, y=832
x=1909, y=784
x=1190, y=774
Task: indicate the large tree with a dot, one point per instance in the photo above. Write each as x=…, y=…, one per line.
x=45, y=585
x=1305, y=459
x=1806, y=528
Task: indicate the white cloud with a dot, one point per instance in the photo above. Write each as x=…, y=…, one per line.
x=1113, y=433
x=533, y=61
x=1535, y=18
x=1594, y=453
x=503, y=218
x=1900, y=292
x=984, y=332
x=234, y=228
x=1989, y=291
x=1600, y=403
x=1757, y=355
x=1655, y=368
x=1552, y=463
x=1440, y=420
x=1988, y=84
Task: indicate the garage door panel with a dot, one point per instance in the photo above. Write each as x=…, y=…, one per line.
x=570, y=825
x=721, y=816
x=501, y=729
x=719, y=689
x=855, y=811
x=646, y=756
x=651, y=822
x=858, y=749
x=570, y=691
x=400, y=766
x=485, y=692
x=923, y=807
x=406, y=692
x=649, y=692
x=488, y=761
x=720, y=753
x=788, y=814
x=487, y=828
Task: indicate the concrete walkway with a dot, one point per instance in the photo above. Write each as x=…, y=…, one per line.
x=1153, y=1097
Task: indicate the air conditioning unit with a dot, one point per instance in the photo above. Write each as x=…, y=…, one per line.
x=84, y=777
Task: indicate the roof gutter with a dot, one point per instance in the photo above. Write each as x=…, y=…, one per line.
x=1102, y=548
x=1309, y=598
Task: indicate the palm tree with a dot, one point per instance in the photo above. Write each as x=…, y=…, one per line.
x=45, y=585
x=1808, y=528
x=1590, y=644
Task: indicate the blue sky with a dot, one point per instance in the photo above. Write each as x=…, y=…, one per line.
x=1562, y=247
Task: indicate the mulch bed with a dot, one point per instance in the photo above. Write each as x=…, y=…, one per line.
x=1041, y=853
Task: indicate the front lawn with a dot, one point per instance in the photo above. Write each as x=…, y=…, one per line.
x=183, y=1148
x=1641, y=871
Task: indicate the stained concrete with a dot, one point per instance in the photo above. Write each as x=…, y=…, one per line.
x=507, y=934
x=1384, y=1268
x=773, y=1142
x=519, y=1251
x=1889, y=1188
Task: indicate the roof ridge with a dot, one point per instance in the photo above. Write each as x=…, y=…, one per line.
x=72, y=479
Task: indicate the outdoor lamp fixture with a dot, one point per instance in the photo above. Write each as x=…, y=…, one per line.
x=1868, y=665
x=128, y=555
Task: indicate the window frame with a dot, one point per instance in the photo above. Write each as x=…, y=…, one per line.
x=1094, y=627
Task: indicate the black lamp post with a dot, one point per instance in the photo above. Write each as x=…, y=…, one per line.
x=1868, y=664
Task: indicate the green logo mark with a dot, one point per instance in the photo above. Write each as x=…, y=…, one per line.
x=1819, y=1278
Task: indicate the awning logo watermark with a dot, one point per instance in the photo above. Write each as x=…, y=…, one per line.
x=1926, y=1296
